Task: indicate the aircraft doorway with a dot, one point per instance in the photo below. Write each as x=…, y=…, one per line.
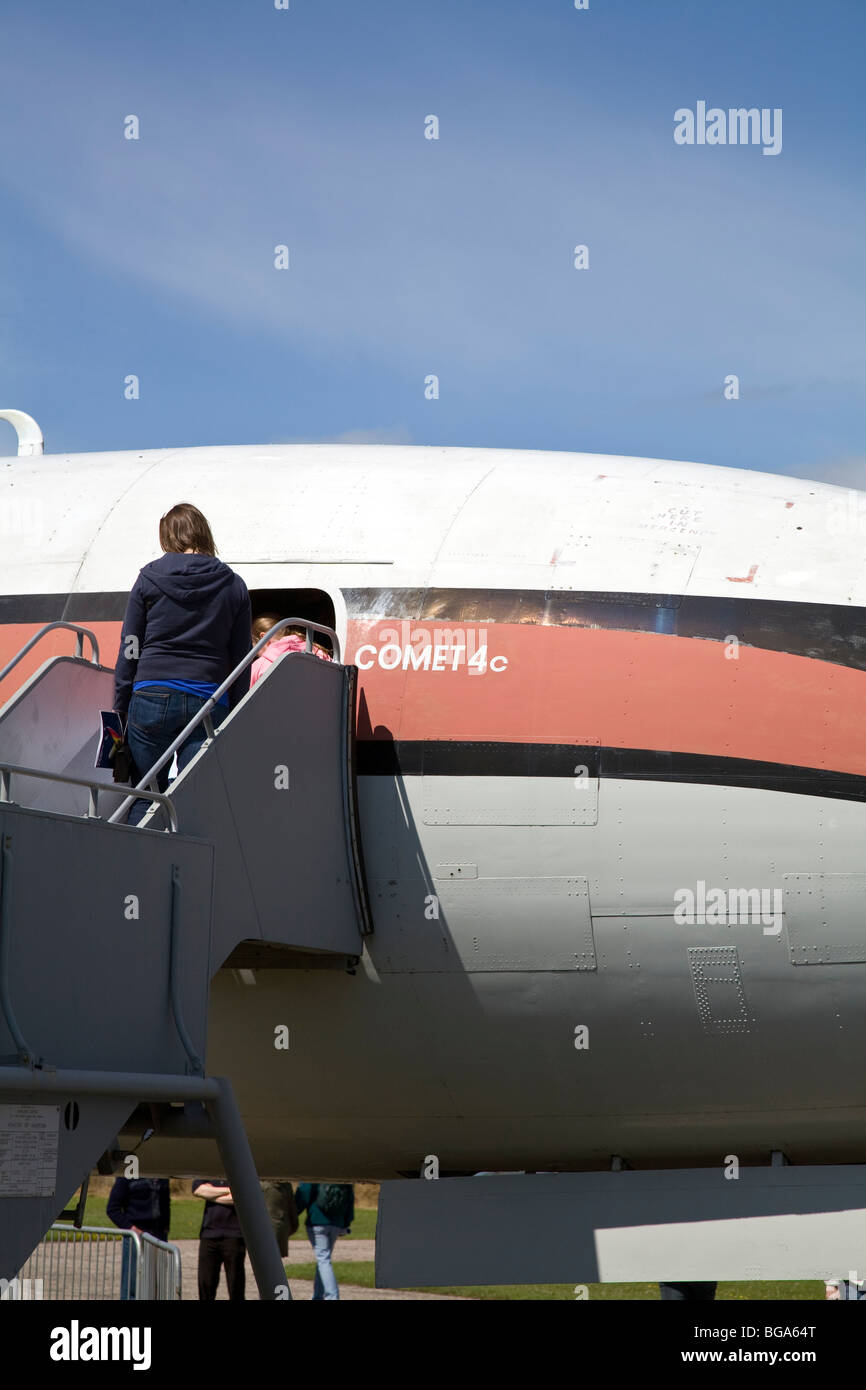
x=314, y=604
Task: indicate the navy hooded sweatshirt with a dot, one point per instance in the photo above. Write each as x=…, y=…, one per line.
x=141, y=1202
x=190, y=617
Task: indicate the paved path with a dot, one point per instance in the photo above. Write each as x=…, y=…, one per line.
x=300, y=1252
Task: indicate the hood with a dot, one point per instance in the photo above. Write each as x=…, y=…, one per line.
x=288, y=642
x=189, y=579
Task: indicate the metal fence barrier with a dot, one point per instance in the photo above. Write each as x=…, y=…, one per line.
x=158, y=1270
x=93, y=1263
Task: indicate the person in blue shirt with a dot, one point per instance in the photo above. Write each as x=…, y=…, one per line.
x=187, y=626
x=330, y=1208
x=138, y=1204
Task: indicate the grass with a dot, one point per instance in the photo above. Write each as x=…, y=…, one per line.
x=186, y=1219
x=186, y=1222
x=806, y=1289
x=363, y=1226
x=362, y=1275
x=185, y=1216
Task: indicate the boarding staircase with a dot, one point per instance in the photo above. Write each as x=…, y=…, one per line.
x=111, y=933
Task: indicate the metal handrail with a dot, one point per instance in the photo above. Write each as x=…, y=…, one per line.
x=81, y=633
x=8, y=770
x=204, y=713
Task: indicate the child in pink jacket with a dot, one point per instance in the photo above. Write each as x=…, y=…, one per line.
x=291, y=639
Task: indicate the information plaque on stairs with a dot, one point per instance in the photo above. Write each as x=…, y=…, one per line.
x=28, y=1150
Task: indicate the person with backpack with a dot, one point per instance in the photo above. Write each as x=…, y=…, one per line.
x=330, y=1208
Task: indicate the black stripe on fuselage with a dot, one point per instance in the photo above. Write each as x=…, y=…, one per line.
x=69, y=608
x=821, y=631
x=413, y=758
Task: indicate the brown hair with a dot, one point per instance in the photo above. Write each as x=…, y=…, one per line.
x=265, y=621
x=185, y=528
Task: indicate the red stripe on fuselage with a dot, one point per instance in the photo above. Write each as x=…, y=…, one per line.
x=61, y=642
x=623, y=690
x=583, y=685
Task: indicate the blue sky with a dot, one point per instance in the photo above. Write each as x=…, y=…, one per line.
x=455, y=257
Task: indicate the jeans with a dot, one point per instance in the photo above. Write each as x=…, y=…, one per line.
x=156, y=717
x=128, y=1268
x=323, y=1239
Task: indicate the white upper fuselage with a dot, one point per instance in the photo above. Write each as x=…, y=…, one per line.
x=373, y=516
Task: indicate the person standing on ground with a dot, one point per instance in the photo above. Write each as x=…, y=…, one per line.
x=330, y=1208
x=187, y=627
x=280, y=1202
x=139, y=1205
x=221, y=1242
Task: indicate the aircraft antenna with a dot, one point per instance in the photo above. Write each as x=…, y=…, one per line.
x=30, y=441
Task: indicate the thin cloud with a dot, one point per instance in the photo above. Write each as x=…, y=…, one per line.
x=414, y=252
x=844, y=472
x=388, y=434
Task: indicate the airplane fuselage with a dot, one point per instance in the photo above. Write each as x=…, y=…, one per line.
x=605, y=707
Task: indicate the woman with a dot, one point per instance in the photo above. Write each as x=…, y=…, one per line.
x=187, y=626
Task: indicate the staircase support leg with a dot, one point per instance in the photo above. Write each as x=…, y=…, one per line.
x=247, y=1194
x=216, y=1093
